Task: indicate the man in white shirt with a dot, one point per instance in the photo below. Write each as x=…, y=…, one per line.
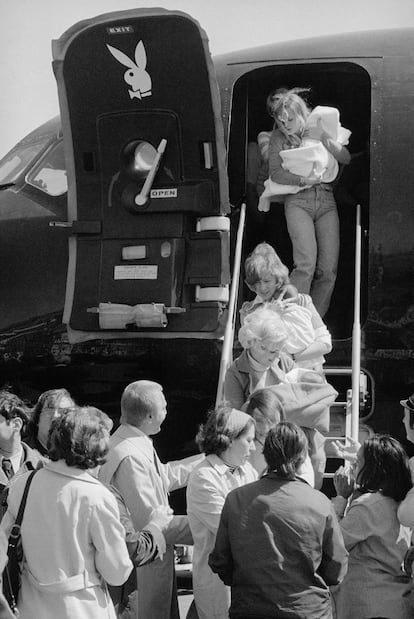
x=134, y=468
x=15, y=456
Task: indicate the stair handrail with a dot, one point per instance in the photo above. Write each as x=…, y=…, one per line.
x=356, y=329
x=228, y=340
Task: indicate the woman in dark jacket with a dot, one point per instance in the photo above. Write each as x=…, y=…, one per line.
x=279, y=545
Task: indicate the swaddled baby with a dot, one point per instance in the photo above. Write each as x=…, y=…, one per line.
x=311, y=157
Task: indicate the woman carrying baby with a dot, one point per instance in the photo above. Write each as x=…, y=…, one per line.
x=311, y=214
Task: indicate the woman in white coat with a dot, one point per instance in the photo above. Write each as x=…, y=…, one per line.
x=227, y=439
x=73, y=541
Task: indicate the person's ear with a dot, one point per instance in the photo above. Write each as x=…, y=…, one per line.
x=17, y=423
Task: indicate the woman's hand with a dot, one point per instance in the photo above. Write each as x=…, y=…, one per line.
x=313, y=179
x=161, y=516
x=344, y=482
x=349, y=451
x=340, y=152
x=159, y=520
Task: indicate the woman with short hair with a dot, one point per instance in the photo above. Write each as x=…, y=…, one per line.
x=267, y=410
x=49, y=405
x=263, y=362
x=73, y=541
x=227, y=439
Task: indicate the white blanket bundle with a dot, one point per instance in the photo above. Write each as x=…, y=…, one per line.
x=311, y=157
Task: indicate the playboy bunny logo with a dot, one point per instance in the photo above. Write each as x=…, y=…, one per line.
x=136, y=76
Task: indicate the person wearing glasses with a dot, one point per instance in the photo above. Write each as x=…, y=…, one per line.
x=16, y=456
x=48, y=406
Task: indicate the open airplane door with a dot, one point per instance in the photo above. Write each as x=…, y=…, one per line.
x=148, y=195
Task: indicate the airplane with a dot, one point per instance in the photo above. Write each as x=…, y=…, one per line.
x=119, y=217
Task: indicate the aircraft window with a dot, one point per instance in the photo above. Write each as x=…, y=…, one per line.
x=49, y=174
x=144, y=157
x=139, y=158
x=13, y=164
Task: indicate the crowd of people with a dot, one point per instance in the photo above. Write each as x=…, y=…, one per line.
x=266, y=542
x=98, y=534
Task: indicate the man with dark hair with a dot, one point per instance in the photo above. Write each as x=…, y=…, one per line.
x=144, y=483
x=279, y=545
x=15, y=456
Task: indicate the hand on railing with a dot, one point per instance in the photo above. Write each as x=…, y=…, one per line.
x=344, y=482
x=347, y=452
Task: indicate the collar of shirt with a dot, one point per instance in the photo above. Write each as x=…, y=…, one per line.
x=147, y=443
x=61, y=468
x=16, y=460
x=256, y=301
x=221, y=467
x=255, y=365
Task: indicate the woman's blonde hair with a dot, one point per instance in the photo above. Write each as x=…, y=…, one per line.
x=286, y=104
x=273, y=96
x=264, y=261
x=262, y=324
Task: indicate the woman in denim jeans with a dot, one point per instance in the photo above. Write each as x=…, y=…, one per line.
x=311, y=214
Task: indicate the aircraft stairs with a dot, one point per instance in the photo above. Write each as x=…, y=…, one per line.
x=355, y=385
x=341, y=413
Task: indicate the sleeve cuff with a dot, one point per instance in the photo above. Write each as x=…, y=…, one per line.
x=339, y=504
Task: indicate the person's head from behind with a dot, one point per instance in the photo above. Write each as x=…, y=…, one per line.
x=290, y=112
x=49, y=405
x=285, y=449
x=266, y=409
x=143, y=405
x=227, y=433
x=14, y=415
x=382, y=466
x=80, y=437
x=263, y=334
x=265, y=272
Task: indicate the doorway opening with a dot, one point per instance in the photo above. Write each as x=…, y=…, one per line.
x=346, y=86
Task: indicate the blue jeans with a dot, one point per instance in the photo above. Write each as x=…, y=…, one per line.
x=313, y=225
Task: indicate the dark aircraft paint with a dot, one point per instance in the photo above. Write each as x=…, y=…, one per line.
x=368, y=76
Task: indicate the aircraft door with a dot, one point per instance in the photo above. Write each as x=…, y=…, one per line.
x=149, y=250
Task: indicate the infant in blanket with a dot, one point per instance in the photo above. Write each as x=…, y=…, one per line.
x=311, y=158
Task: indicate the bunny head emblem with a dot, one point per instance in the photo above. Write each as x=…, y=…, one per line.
x=136, y=76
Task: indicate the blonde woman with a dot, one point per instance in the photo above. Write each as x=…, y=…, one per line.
x=311, y=214
x=263, y=361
